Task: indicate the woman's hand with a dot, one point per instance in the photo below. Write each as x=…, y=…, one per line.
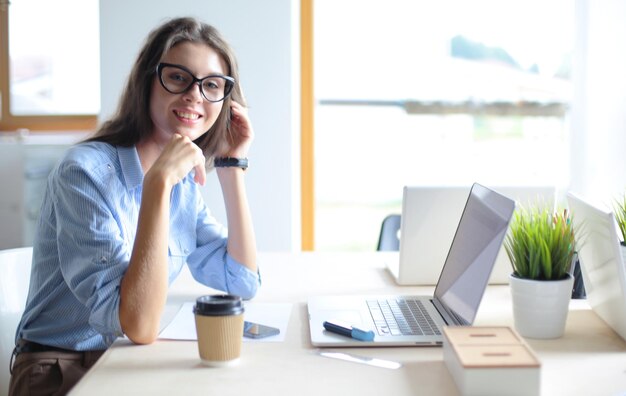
x=240, y=133
x=177, y=159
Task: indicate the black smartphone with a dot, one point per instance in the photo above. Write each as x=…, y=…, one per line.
x=256, y=330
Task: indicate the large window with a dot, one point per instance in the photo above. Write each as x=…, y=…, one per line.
x=434, y=93
x=50, y=64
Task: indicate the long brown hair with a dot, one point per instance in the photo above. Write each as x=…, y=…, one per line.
x=131, y=122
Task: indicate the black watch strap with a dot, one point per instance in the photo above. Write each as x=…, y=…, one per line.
x=223, y=162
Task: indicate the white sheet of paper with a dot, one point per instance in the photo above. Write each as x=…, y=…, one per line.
x=183, y=326
x=360, y=359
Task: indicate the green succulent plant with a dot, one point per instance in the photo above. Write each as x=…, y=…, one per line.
x=540, y=243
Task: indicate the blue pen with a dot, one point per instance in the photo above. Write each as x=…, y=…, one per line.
x=349, y=331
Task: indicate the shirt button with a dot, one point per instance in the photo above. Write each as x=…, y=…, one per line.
x=186, y=251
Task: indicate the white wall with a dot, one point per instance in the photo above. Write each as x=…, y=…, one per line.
x=265, y=37
x=599, y=106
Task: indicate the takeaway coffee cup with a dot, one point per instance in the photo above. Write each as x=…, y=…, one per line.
x=219, y=325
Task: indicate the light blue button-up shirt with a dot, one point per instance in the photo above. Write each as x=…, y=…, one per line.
x=84, y=241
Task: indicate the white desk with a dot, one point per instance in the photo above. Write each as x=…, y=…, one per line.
x=590, y=359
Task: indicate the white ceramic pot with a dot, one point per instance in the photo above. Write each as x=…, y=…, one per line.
x=540, y=307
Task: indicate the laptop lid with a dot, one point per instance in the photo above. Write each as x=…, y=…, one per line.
x=430, y=215
x=601, y=262
x=473, y=253
x=461, y=285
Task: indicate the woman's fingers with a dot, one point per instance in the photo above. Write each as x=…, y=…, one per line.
x=180, y=156
x=200, y=176
x=241, y=133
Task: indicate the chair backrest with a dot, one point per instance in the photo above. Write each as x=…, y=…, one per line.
x=389, y=239
x=15, y=267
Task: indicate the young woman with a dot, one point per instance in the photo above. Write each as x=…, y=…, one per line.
x=123, y=211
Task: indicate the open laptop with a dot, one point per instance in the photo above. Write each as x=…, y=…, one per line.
x=601, y=262
x=430, y=215
x=479, y=235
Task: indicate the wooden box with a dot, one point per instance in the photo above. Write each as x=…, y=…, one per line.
x=491, y=361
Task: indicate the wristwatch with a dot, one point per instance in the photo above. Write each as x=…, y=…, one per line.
x=224, y=162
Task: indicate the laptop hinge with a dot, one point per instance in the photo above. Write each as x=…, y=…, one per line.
x=448, y=315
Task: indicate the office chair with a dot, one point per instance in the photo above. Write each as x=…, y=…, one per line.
x=389, y=239
x=578, y=291
x=15, y=269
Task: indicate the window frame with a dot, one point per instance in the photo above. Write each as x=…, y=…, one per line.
x=307, y=106
x=35, y=123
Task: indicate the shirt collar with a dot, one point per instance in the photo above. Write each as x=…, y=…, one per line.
x=131, y=166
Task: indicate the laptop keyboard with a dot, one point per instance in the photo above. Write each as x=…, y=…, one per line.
x=398, y=316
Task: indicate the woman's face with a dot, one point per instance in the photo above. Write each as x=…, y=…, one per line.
x=187, y=113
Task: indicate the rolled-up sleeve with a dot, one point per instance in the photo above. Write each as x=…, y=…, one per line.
x=93, y=254
x=210, y=263
x=217, y=269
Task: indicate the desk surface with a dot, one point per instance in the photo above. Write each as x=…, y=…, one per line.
x=589, y=359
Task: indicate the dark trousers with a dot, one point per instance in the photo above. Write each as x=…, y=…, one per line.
x=49, y=371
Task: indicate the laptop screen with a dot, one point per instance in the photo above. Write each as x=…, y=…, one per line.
x=473, y=252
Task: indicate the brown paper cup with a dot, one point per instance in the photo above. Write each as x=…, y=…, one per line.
x=219, y=339
x=220, y=332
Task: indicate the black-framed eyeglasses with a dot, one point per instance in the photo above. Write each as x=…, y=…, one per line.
x=177, y=79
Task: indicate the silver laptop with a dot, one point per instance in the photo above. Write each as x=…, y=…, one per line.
x=479, y=235
x=601, y=262
x=430, y=215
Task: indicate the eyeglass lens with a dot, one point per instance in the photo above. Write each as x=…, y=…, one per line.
x=176, y=80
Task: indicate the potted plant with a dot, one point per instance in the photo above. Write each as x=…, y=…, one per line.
x=541, y=247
